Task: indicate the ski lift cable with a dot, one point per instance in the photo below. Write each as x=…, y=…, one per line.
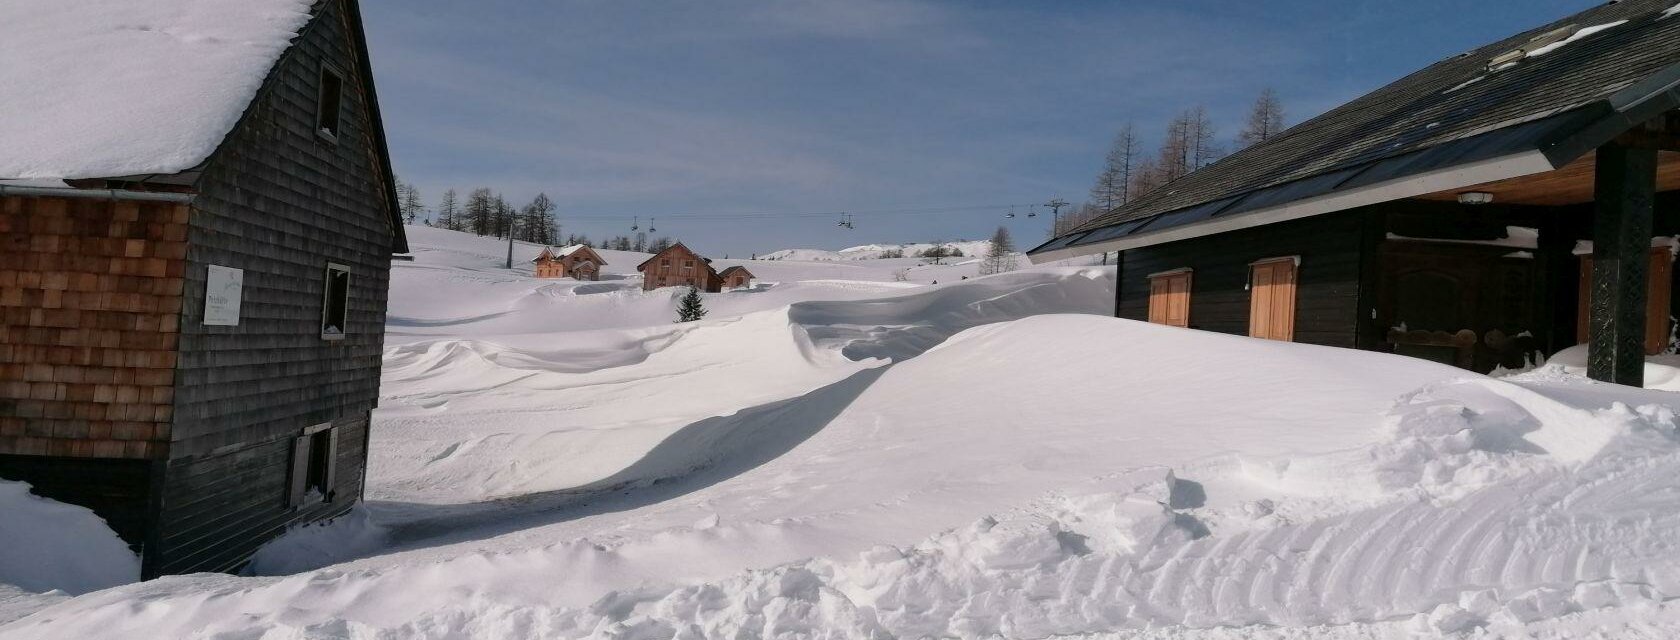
x=928, y=211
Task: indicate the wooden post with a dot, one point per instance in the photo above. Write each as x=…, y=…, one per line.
x=1624, y=190
x=1119, y=280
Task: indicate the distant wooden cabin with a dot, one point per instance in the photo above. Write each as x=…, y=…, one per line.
x=1441, y=216
x=576, y=261
x=735, y=277
x=193, y=286
x=679, y=266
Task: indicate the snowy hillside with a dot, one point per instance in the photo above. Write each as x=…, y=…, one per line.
x=969, y=248
x=837, y=457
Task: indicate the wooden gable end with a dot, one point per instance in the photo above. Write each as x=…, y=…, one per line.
x=294, y=85
x=585, y=253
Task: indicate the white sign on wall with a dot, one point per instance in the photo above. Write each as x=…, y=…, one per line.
x=223, y=287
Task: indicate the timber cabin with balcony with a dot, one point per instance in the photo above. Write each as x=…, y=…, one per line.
x=1519, y=198
x=197, y=219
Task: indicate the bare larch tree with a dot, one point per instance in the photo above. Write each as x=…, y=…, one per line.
x=1265, y=120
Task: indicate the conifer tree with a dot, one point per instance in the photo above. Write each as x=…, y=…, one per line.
x=1114, y=184
x=502, y=221
x=449, y=214
x=1202, y=137
x=538, y=226
x=409, y=202
x=1265, y=120
x=690, y=308
x=1000, y=254
x=480, y=212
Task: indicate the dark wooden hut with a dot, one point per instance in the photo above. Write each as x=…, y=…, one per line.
x=1442, y=215
x=193, y=287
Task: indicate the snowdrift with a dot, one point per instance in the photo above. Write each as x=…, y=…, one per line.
x=1058, y=474
x=1661, y=371
x=47, y=545
x=971, y=461
x=470, y=420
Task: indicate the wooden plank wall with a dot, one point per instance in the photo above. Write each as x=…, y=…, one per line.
x=279, y=202
x=1327, y=293
x=90, y=297
x=655, y=276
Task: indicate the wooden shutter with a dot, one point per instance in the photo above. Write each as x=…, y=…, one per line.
x=1271, y=307
x=1169, y=298
x=299, y=481
x=1658, y=294
x=330, y=474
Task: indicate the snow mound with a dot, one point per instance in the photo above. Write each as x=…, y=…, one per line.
x=320, y=543
x=469, y=420
x=1662, y=371
x=101, y=89
x=50, y=545
x=956, y=462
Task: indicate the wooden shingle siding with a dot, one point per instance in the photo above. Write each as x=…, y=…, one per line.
x=90, y=297
x=225, y=507
x=1327, y=289
x=278, y=202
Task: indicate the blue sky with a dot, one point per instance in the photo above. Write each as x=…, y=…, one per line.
x=927, y=118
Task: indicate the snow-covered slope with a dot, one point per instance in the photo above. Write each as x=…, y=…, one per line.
x=965, y=460
x=969, y=248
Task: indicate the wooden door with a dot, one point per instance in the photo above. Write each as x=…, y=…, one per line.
x=1169, y=299
x=1271, y=307
x=1658, y=293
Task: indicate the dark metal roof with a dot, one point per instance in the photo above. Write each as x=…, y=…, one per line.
x=1563, y=103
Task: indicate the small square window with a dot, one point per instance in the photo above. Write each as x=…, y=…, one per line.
x=327, y=106
x=313, y=469
x=335, y=302
x=665, y=263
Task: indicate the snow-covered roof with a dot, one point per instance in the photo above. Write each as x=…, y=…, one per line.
x=106, y=88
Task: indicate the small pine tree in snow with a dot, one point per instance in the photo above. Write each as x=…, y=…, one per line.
x=690, y=308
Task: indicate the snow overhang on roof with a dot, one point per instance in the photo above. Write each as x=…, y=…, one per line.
x=111, y=88
x=1405, y=150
